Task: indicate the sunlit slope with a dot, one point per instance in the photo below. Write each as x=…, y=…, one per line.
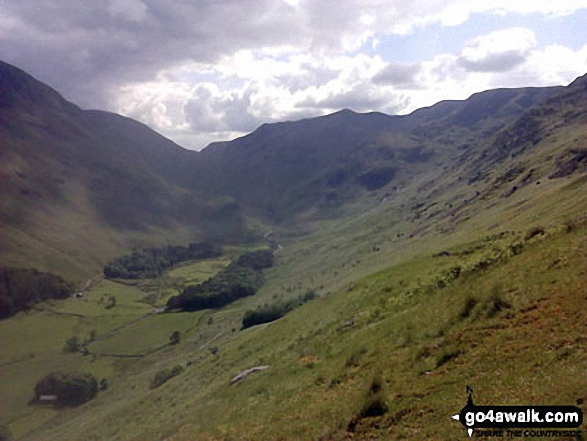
x=423, y=328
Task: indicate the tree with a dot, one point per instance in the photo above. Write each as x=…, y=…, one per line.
x=111, y=302
x=63, y=389
x=72, y=345
x=175, y=338
x=165, y=375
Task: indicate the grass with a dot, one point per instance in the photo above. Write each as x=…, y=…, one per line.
x=145, y=335
x=191, y=273
x=205, y=404
x=127, y=328
x=403, y=326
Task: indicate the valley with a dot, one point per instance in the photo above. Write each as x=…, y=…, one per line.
x=443, y=248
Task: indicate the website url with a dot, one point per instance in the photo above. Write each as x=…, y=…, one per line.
x=530, y=415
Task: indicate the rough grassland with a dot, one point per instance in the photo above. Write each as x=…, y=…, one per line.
x=397, y=324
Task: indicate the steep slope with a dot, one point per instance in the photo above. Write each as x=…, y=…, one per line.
x=79, y=187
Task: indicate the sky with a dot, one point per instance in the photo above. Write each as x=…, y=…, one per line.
x=200, y=71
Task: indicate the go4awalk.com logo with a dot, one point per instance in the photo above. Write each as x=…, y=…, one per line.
x=508, y=421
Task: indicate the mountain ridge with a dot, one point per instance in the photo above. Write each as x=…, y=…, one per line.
x=124, y=185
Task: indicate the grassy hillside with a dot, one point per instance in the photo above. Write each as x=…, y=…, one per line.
x=413, y=327
x=388, y=309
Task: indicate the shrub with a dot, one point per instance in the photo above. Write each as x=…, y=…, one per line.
x=269, y=313
x=242, y=278
x=263, y=315
x=516, y=248
x=334, y=382
x=446, y=356
x=570, y=226
x=152, y=262
x=495, y=304
x=468, y=307
x=535, y=231
x=175, y=338
x=21, y=288
x=355, y=359
x=165, y=375
x=5, y=434
x=72, y=345
x=373, y=406
x=309, y=295
x=66, y=389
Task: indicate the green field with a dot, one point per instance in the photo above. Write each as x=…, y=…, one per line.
x=145, y=335
x=128, y=328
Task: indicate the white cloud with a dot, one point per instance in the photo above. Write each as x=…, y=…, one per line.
x=498, y=51
x=198, y=103
x=446, y=78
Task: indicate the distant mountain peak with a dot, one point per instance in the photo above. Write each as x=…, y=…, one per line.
x=344, y=112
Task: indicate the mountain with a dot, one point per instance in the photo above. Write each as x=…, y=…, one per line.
x=284, y=169
x=82, y=186
x=79, y=187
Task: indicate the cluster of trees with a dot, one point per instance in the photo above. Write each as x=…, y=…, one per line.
x=242, y=278
x=74, y=344
x=21, y=288
x=149, y=263
x=63, y=389
x=269, y=313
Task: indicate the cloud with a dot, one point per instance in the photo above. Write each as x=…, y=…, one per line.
x=200, y=69
x=307, y=74
x=132, y=10
x=363, y=97
x=200, y=112
x=87, y=47
x=498, y=51
x=208, y=112
x=401, y=75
